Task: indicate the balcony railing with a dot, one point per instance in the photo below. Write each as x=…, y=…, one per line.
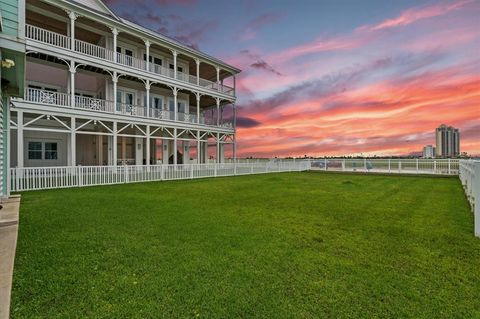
x=99, y=105
x=47, y=97
x=92, y=50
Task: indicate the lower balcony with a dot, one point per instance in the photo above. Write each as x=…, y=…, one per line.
x=60, y=99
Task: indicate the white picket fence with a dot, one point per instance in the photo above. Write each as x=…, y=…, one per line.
x=35, y=178
x=470, y=177
x=401, y=166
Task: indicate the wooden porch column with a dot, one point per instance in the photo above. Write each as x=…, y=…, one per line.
x=73, y=16
x=198, y=107
x=175, y=146
x=20, y=147
x=218, y=148
x=115, y=33
x=198, y=147
x=197, y=61
x=147, y=106
x=175, y=104
x=175, y=53
x=73, y=141
x=72, y=83
x=234, y=133
x=147, y=151
x=218, y=78
x=218, y=111
x=147, y=54
x=114, y=146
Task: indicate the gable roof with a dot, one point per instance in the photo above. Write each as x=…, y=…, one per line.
x=96, y=5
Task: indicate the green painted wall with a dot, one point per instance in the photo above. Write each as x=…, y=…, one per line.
x=10, y=16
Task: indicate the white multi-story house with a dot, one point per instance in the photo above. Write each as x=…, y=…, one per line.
x=101, y=90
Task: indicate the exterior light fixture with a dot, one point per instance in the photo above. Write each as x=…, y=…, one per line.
x=8, y=63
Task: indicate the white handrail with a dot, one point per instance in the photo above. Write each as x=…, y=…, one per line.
x=93, y=50
x=47, y=97
x=46, y=36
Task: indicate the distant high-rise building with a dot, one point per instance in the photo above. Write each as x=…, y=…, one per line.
x=448, y=141
x=428, y=151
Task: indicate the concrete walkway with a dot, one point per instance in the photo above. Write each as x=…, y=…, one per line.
x=8, y=243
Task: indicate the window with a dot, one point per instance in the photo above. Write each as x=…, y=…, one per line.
x=51, y=152
x=152, y=59
x=179, y=68
x=42, y=150
x=34, y=150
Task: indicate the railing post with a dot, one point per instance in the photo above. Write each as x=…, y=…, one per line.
x=476, y=194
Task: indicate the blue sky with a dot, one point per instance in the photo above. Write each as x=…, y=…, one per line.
x=336, y=77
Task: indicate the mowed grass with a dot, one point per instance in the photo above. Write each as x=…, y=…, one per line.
x=290, y=245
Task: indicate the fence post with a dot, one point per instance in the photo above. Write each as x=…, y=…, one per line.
x=125, y=169
x=448, y=166
x=343, y=165
x=399, y=166
x=389, y=168
x=365, y=164
x=434, y=166
x=476, y=194
x=417, y=164
x=191, y=171
x=215, y=169
x=325, y=163
x=79, y=175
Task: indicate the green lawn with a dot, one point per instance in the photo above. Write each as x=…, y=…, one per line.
x=290, y=245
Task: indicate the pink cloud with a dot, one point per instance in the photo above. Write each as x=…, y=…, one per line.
x=413, y=15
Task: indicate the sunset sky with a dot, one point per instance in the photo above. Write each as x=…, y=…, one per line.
x=336, y=77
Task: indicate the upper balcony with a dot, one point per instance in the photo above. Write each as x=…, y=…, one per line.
x=98, y=52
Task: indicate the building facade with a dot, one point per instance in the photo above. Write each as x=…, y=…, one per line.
x=448, y=141
x=428, y=151
x=12, y=74
x=101, y=90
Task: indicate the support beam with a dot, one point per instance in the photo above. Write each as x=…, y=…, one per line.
x=115, y=81
x=115, y=33
x=147, y=151
x=175, y=146
x=73, y=141
x=217, y=159
x=198, y=107
x=73, y=16
x=175, y=53
x=218, y=111
x=198, y=147
x=147, y=93
x=147, y=53
x=72, y=83
x=114, y=142
x=197, y=61
x=175, y=104
x=20, y=147
x=234, y=133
